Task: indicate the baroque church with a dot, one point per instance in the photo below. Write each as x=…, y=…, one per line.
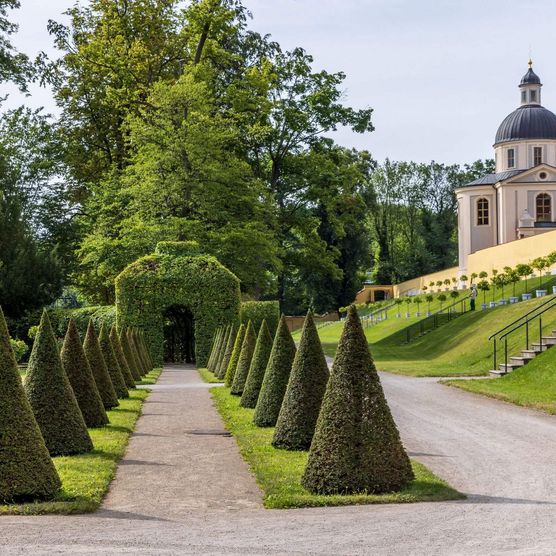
x=518, y=200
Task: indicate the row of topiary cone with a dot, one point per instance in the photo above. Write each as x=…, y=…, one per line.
x=340, y=416
x=63, y=395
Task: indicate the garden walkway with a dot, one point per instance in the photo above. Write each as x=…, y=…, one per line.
x=183, y=493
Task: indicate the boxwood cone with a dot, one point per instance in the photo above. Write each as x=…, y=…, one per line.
x=300, y=409
x=222, y=350
x=52, y=399
x=79, y=373
x=112, y=363
x=124, y=340
x=257, y=369
x=148, y=357
x=98, y=368
x=26, y=469
x=134, y=353
x=236, y=352
x=356, y=446
x=140, y=352
x=227, y=353
x=276, y=377
x=119, y=352
x=214, y=347
x=244, y=361
x=144, y=352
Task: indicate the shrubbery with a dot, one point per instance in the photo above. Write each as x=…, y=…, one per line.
x=257, y=311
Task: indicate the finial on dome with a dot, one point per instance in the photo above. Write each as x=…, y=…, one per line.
x=530, y=63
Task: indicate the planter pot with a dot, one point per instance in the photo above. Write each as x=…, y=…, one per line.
x=540, y=293
x=484, y=306
x=514, y=300
x=526, y=296
x=464, y=287
x=398, y=316
x=407, y=315
x=553, y=289
x=492, y=304
x=502, y=302
x=429, y=313
x=417, y=314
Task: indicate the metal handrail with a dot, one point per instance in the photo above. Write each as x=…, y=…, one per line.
x=546, y=306
x=522, y=317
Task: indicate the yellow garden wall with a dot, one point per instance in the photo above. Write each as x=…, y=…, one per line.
x=508, y=254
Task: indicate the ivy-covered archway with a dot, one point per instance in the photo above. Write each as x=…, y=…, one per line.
x=177, y=275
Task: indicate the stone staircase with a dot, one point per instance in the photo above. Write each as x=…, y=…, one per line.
x=526, y=355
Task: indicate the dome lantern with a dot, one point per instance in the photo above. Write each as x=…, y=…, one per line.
x=530, y=87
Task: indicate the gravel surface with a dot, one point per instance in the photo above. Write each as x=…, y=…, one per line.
x=183, y=488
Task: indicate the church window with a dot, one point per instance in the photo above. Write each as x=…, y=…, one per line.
x=482, y=212
x=523, y=97
x=544, y=207
x=533, y=96
x=537, y=156
x=511, y=158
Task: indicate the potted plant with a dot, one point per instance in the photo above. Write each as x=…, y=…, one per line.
x=439, y=284
x=484, y=287
x=429, y=299
x=502, y=281
x=398, y=302
x=447, y=282
x=524, y=271
x=463, y=278
x=512, y=278
x=493, y=283
x=431, y=284
x=407, y=302
x=539, y=264
x=454, y=294
x=442, y=298
x=474, y=276
x=417, y=300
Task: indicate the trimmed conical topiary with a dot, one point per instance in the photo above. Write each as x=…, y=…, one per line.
x=140, y=353
x=143, y=350
x=79, y=373
x=134, y=353
x=222, y=352
x=236, y=352
x=356, y=446
x=227, y=353
x=244, y=361
x=52, y=399
x=216, y=338
x=26, y=469
x=119, y=352
x=300, y=409
x=276, y=377
x=112, y=363
x=98, y=368
x=124, y=340
x=258, y=367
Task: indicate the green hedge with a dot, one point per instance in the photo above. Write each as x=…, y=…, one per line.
x=98, y=314
x=257, y=311
x=152, y=284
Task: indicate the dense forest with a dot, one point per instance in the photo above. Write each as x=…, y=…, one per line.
x=181, y=123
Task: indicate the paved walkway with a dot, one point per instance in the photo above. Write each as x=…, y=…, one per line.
x=183, y=488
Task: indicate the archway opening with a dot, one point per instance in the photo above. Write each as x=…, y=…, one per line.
x=179, y=335
x=380, y=295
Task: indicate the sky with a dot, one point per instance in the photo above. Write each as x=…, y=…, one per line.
x=440, y=75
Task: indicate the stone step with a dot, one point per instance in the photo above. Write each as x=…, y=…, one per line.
x=549, y=340
x=495, y=372
x=528, y=354
x=537, y=347
x=519, y=361
x=507, y=368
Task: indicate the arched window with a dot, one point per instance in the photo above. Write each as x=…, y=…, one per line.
x=483, y=216
x=543, y=205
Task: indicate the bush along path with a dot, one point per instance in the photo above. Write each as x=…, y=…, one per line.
x=112, y=364
x=227, y=354
x=214, y=349
x=52, y=399
x=356, y=446
x=126, y=346
x=236, y=352
x=79, y=373
x=276, y=377
x=26, y=469
x=119, y=352
x=300, y=409
x=244, y=361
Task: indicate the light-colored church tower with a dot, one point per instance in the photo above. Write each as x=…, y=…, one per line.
x=518, y=199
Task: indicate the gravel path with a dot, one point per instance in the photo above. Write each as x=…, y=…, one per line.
x=183, y=488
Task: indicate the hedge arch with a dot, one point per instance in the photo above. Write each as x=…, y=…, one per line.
x=175, y=276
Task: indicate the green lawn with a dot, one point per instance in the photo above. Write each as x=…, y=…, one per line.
x=207, y=376
x=87, y=477
x=460, y=347
x=278, y=472
x=533, y=385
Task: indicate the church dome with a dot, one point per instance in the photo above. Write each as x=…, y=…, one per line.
x=530, y=121
x=530, y=78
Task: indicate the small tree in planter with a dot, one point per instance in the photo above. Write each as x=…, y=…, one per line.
x=524, y=271
x=408, y=303
x=442, y=298
x=439, y=284
x=540, y=263
x=474, y=276
x=454, y=281
x=429, y=299
x=464, y=279
x=398, y=302
x=484, y=287
x=417, y=300
x=494, y=283
x=431, y=284
x=511, y=278
x=447, y=283
x=454, y=294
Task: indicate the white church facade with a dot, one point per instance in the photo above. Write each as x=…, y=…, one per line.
x=519, y=199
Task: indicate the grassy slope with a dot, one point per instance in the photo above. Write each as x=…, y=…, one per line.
x=207, y=376
x=87, y=477
x=278, y=472
x=534, y=385
x=460, y=347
